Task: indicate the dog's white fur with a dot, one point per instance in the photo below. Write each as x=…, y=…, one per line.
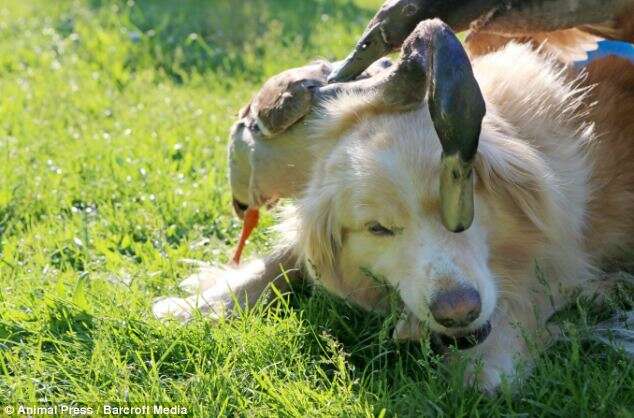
x=527, y=249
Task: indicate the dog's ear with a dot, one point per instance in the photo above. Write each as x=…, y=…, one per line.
x=515, y=174
x=319, y=230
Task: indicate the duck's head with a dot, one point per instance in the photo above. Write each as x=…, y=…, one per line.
x=266, y=142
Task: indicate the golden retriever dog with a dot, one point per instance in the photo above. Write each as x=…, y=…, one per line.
x=553, y=194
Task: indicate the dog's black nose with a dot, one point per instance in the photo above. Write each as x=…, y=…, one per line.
x=239, y=208
x=456, y=308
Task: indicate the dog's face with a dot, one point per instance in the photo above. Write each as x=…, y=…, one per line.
x=371, y=213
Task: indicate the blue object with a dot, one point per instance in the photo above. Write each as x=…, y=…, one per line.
x=606, y=48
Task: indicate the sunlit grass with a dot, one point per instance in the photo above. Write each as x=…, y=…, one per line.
x=113, y=129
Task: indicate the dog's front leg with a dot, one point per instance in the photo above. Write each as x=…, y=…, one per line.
x=506, y=354
x=217, y=292
x=496, y=358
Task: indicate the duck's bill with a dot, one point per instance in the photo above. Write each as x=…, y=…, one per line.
x=251, y=218
x=363, y=55
x=385, y=33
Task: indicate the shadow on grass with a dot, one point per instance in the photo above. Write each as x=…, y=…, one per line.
x=69, y=324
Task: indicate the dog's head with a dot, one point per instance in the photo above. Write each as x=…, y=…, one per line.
x=371, y=213
x=376, y=207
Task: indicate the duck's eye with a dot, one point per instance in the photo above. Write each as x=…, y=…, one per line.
x=377, y=229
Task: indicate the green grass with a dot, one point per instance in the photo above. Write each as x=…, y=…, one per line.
x=113, y=129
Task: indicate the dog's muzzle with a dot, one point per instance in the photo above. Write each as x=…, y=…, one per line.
x=443, y=342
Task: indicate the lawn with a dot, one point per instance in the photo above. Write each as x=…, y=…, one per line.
x=113, y=128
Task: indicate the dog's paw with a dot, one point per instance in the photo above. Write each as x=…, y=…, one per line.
x=215, y=292
x=488, y=375
x=212, y=305
x=172, y=307
x=494, y=361
x=210, y=292
x=205, y=278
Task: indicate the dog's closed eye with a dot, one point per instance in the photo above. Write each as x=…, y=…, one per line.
x=377, y=229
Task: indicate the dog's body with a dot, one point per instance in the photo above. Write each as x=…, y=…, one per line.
x=554, y=199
